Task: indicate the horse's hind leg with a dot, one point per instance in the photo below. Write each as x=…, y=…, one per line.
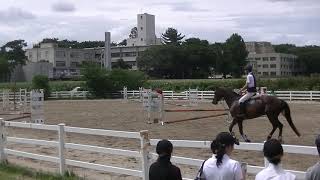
x=234, y=121
x=280, y=126
x=273, y=120
x=241, y=131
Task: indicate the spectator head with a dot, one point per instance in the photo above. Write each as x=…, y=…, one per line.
x=164, y=148
x=273, y=151
x=317, y=142
x=223, y=144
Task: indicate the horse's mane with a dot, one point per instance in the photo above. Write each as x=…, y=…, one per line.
x=229, y=91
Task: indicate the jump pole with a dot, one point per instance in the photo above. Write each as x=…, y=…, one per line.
x=188, y=110
x=191, y=119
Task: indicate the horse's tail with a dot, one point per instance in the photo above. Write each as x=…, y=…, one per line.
x=287, y=115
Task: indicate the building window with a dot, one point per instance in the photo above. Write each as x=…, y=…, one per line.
x=141, y=39
x=141, y=17
x=265, y=66
x=60, y=63
x=273, y=73
x=265, y=73
x=60, y=54
x=273, y=66
x=259, y=66
x=141, y=28
x=130, y=54
x=74, y=55
x=259, y=72
x=75, y=64
x=265, y=58
x=46, y=54
x=272, y=58
x=115, y=54
x=257, y=59
x=87, y=56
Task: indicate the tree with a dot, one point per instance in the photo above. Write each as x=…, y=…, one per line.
x=123, y=43
x=41, y=82
x=171, y=36
x=193, y=59
x=121, y=64
x=4, y=69
x=13, y=50
x=235, y=55
x=133, y=33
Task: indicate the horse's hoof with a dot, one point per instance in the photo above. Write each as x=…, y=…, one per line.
x=247, y=140
x=280, y=140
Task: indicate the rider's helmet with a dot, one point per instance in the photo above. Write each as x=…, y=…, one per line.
x=248, y=68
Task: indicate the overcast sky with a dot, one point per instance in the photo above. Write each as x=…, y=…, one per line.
x=277, y=21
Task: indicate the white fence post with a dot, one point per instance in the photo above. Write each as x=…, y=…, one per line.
x=3, y=157
x=311, y=98
x=290, y=96
x=62, y=162
x=145, y=143
x=125, y=93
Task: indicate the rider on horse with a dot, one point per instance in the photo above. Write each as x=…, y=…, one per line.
x=251, y=89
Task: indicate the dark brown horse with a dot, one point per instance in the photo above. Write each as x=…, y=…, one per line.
x=259, y=106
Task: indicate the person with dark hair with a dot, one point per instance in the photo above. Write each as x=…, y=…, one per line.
x=163, y=169
x=220, y=166
x=313, y=173
x=249, y=87
x=273, y=151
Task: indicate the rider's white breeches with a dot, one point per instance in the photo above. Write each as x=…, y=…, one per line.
x=247, y=96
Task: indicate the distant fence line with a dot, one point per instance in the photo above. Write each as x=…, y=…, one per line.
x=202, y=95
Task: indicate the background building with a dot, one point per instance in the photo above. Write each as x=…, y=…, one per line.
x=266, y=62
x=66, y=62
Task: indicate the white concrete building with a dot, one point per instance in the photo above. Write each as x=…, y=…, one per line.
x=67, y=61
x=266, y=62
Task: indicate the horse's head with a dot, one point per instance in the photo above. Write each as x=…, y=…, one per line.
x=218, y=95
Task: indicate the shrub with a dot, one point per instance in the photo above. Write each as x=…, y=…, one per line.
x=41, y=82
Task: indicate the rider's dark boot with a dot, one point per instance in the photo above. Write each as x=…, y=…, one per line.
x=242, y=112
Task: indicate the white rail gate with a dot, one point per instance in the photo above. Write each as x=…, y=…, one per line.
x=144, y=154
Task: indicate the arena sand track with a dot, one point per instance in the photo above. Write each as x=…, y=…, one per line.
x=117, y=115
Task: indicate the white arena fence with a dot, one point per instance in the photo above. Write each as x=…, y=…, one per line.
x=143, y=154
x=202, y=95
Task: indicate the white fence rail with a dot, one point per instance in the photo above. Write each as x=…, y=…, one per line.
x=143, y=153
x=204, y=95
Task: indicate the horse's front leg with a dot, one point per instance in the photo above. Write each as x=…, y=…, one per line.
x=245, y=138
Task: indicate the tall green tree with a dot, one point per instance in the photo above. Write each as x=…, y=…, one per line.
x=172, y=36
x=235, y=55
x=14, y=50
x=194, y=58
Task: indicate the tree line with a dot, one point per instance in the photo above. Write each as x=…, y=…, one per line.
x=193, y=58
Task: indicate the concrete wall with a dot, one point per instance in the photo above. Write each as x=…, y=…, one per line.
x=26, y=72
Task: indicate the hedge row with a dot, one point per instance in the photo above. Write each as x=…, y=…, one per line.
x=296, y=83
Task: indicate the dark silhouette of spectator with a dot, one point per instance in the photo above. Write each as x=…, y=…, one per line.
x=163, y=169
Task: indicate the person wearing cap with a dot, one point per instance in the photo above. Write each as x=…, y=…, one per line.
x=220, y=166
x=313, y=173
x=273, y=151
x=249, y=89
x=163, y=169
